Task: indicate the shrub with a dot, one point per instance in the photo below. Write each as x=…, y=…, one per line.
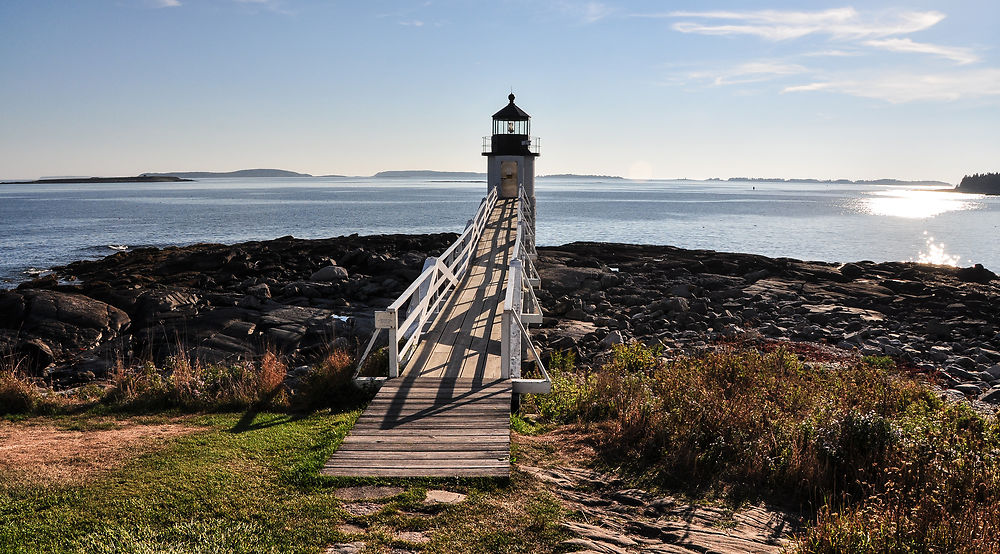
x=17, y=393
x=567, y=399
x=328, y=384
x=893, y=468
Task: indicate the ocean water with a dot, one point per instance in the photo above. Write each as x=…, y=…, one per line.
x=46, y=225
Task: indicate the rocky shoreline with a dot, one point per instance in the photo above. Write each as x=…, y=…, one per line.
x=218, y=303
x=303, y=297
x=939, y=320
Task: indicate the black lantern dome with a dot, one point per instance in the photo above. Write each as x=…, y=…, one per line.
x=511, y=131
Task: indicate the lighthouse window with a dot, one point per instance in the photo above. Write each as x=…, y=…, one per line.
x=510, y=126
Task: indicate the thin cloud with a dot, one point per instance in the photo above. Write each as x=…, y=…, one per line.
x=166, y=3
x=901, y=88
x=412, y=23
x=777, y=25
x=587, y=12
x=955, y=53
x=832, y=54
x=750, y=72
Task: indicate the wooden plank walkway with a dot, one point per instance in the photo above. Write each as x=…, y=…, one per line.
x=449, y=414
x=430, y=427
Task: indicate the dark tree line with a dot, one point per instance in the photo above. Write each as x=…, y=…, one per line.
x=981, y=183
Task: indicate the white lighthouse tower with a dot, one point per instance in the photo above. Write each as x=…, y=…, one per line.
x=510, y=153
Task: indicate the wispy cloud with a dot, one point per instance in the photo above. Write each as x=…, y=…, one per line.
x=408, y=15
x=855, y=34
x=166, y=3
x=955, y=53
x=750, y=72
x=777, y=25
x=910, y=87
x=832, y=54
x=587, y=12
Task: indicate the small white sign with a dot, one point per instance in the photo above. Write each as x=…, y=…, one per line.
x=385, y=320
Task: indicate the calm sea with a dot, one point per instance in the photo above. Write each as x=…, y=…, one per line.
x=46, y=225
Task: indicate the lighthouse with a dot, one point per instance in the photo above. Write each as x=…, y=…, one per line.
x=510, y=157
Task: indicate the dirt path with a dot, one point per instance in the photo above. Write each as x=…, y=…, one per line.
x=44, y=454
x=610, y=518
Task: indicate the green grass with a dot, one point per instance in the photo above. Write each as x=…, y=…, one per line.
x=230, y=487
x=248, y=482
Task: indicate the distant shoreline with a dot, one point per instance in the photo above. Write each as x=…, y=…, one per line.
x=85, y=180
x=455, y=176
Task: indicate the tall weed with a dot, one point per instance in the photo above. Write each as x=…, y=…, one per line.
x=328, y=384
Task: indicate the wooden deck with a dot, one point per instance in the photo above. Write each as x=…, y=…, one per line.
x=449, y=413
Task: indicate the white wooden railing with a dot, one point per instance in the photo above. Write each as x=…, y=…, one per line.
x=521, y=307
x=421, y=300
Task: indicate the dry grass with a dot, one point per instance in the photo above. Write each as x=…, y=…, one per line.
x=328, y=384
x=17, y=393
x=191, y=384
x=42, y=454
x=885, y=464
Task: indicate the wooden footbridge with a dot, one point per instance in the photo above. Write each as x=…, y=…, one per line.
x=456, y=340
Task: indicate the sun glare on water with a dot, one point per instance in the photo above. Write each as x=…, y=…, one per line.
x=916, y=204
x=935, y=254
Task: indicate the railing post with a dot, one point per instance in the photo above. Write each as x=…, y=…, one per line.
x=505, y=330
x=514, y=280
x=388, y=320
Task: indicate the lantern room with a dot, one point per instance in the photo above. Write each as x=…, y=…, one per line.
x=511, y=132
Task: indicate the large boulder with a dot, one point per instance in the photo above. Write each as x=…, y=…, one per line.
x=47, y=326
x=976, y=274
x=329, y=273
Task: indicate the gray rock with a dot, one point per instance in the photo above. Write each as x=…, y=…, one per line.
x=330, y=273
x=436, y=496
x=993, y=396
x=577, y=314
x=968, y=389
x=613, y=338
x=65, y=323
x=677, y=304
x=260, y=291
x=851, y=271
x=964, y=361
x=960, y=374
x=994, y=371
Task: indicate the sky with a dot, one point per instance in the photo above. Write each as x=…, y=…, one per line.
x=661, y=89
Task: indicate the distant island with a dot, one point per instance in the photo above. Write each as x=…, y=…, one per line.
x=576, y=176
x=75, y=180
x=980, y=183
x=831, y=181
x=240, y=173
x=472, y=175
x=428, y=174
